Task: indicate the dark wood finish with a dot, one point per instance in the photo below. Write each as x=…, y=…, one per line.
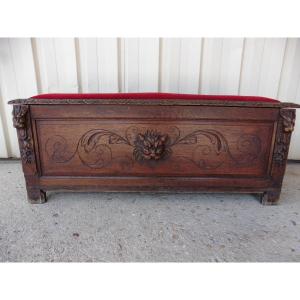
x=125, y=145
x=22, y=122
x=285, y=127
x=167, y=102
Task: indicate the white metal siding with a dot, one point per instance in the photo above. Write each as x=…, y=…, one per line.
x=252, y=66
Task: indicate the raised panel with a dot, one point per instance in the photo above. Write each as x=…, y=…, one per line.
x=188, y=148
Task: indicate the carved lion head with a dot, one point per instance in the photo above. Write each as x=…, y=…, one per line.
x=151, y=145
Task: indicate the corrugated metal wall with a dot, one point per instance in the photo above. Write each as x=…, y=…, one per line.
x=252, y=66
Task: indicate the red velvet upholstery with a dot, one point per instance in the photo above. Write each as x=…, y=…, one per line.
x=154, y=96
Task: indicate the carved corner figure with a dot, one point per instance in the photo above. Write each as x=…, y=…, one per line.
x=21, y=121
x=25, y=142
x=284, y=131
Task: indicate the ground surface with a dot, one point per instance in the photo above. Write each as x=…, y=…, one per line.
x=73, y=227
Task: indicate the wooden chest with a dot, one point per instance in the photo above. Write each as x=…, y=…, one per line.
x=153, y=142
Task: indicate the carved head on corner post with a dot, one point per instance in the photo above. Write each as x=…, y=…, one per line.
x=288, y=120
x=288, y=125
x=19, y=116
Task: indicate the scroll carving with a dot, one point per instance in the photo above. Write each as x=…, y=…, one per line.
x=285, y=128
x=20, y=123
x=149, y=146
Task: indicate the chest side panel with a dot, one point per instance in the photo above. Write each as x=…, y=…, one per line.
x=112, y=140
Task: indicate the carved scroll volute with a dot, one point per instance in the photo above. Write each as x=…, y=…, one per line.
x=285, y=127
x=209, y=149
x=20, y=122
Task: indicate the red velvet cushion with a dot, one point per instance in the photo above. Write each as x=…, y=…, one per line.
x=154, y=96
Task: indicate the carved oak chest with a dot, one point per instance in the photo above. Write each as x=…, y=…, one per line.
x=153, y=142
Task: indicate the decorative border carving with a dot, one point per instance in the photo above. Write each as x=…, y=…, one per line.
x=20, y=122
x=152, y=102
x=285, y=127
x=151, y=146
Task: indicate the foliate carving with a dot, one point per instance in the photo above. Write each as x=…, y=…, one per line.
x=27, y=154
x=209, y=147
x=20, y=123
x=285, y=127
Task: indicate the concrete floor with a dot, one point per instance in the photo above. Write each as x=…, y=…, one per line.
x=127, y=227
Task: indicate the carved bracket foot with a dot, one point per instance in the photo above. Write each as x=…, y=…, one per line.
x=36, y=196
x=270, y=197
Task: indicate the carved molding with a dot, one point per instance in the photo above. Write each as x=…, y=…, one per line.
x=150, y=147
x=178, y=101
x=20, y=113
x=285, y=127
